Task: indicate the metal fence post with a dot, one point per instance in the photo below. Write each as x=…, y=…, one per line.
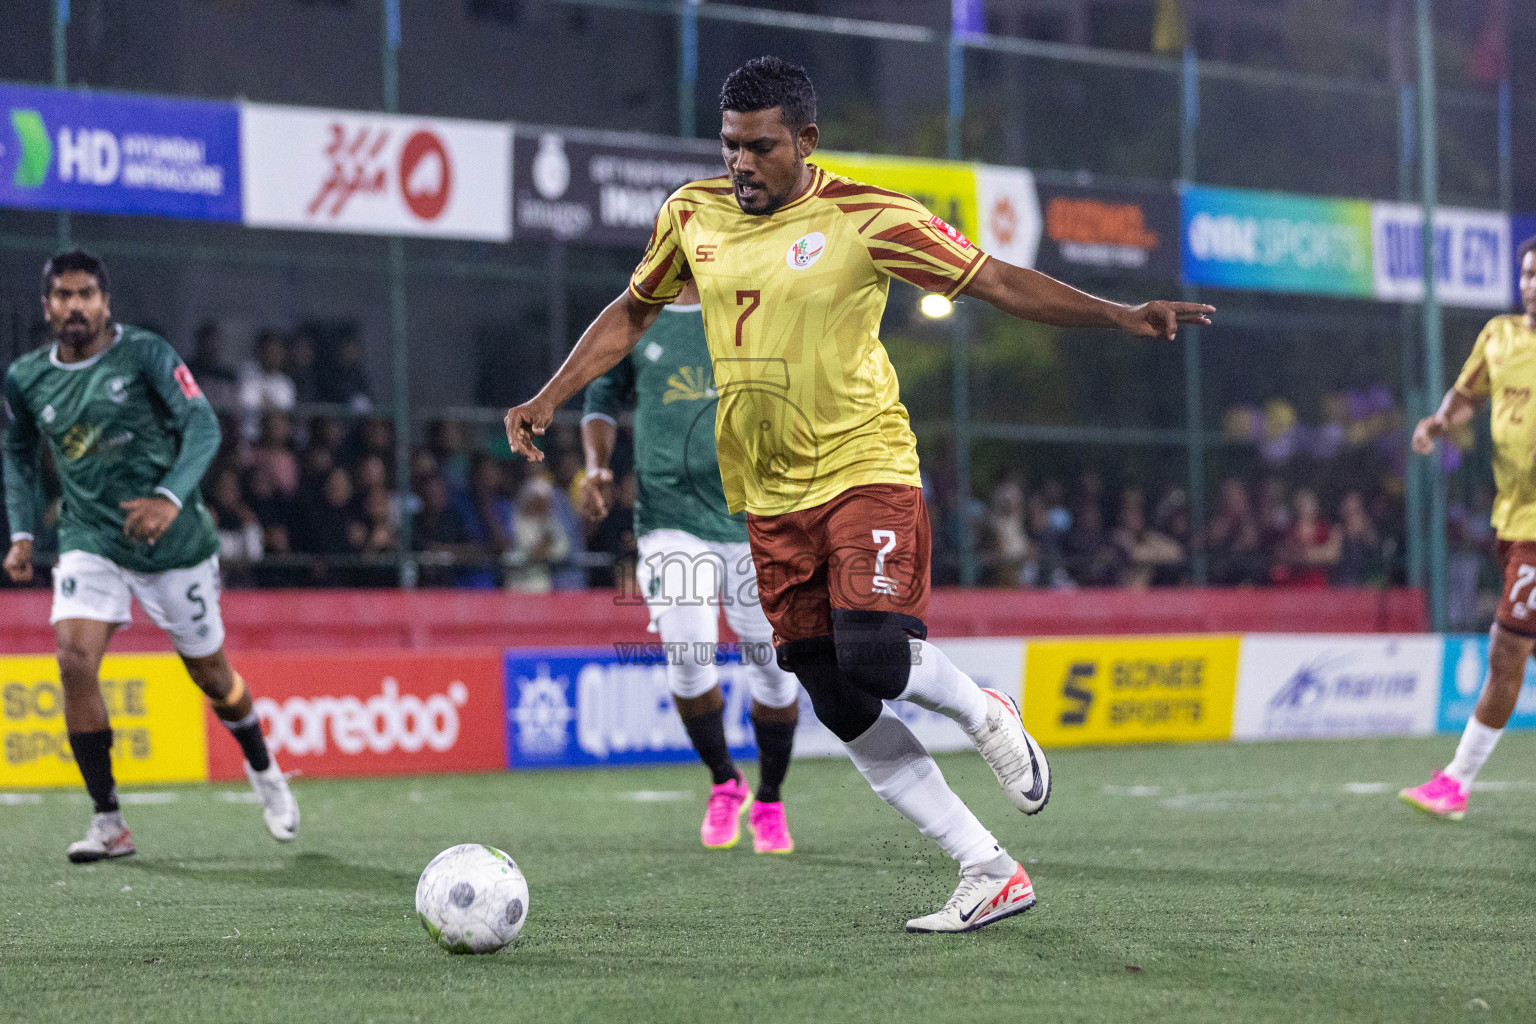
x=60, y=81
x=687, y=68
x=1434, y=355
x=1194, y=406
x=960, y=347
x=399, y=336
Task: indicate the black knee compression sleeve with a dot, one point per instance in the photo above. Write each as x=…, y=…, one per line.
x=874, y=649
x=844, y=709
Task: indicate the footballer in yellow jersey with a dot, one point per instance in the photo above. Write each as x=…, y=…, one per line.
x=793, y=265
x=1501, y=369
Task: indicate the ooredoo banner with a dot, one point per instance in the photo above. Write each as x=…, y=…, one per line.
x=1130, y=690
x=1322, y=685
x=109, y=153
x=341, y=170
x=382, y=713
x=155, y=711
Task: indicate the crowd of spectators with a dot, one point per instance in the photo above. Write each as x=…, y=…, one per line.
x=1273, y=534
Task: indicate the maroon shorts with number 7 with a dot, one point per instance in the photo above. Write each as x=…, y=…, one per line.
x=867, y=549
x=1517, y=605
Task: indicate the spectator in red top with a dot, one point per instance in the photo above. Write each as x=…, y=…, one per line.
x=1312, y=547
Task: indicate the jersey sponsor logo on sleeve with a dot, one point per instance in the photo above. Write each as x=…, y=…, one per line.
x=954, y=236
x=806, y=250
x=187, y=383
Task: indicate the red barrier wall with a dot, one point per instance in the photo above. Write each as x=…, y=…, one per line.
x=293, y=620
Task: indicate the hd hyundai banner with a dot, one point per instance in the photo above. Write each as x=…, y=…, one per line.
x=380, y=174
x=109, y=153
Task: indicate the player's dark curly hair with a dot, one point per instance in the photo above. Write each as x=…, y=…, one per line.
x=76, y=259
x=767, y=82
x=1527, y=246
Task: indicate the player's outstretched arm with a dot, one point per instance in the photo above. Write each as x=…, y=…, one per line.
x=1031, y=295
x=1454, y=411
x=610, y=338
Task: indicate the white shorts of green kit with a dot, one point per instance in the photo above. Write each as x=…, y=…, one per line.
x=686, y=583
x=183, y=602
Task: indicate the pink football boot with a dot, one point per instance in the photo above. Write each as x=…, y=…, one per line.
x=1442, y=797
x=722, y=817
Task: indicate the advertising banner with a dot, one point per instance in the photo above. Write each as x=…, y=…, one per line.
x=584, y=707
x=1461, y=681
x=1113, y=231
x=1317, y=686
x=1472, y=255
x=1133, y=690
x=155, y=711
x=371, y=713
x=1522, y=226
x=572, y=190
x=996, y=207
x=106, y=153
x=380, y=174
x=1268, y=241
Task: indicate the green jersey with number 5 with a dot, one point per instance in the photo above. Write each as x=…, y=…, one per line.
x=129, y=422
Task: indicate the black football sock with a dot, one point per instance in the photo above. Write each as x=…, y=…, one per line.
x=247, y=732
x=775, y=740
x=93, y=753
x=707, y=732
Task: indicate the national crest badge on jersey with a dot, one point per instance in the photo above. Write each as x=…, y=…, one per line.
x=954, y=236
x=806, y=250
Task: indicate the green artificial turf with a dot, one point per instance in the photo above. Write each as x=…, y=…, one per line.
x=1268, y=882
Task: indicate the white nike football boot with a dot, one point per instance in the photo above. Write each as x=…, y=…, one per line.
x=278, y=807
x=980, y=900
x=1012, y=754
x=107, y=837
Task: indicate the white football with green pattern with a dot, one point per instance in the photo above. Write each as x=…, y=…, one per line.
x=472, y=899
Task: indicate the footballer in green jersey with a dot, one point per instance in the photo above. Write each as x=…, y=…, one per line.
x=131, y=436
x=689, y=542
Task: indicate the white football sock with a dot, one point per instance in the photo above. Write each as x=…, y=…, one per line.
x=936, y=684
x=1477, y=743
x=904, y=776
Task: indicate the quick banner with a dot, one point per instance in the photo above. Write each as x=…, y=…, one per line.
x=587, y=707
x=155, y=710
x=1131, y=690
x=110, y=153
x=1471, y=255
x=379, y=174
x=370, y=713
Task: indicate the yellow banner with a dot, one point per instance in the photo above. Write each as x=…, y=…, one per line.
x=155, y=710
x=946, y=187
x=1130, y=690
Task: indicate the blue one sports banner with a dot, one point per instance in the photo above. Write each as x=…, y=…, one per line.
x=1466, y=665
x=107, y=153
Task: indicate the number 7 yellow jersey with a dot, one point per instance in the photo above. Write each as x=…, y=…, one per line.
x=809, y=403
x=1502, y=367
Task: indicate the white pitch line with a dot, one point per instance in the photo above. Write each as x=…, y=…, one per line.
x=656, y=796
x=1366, y=788
x=149, y=798
x=17, y=799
